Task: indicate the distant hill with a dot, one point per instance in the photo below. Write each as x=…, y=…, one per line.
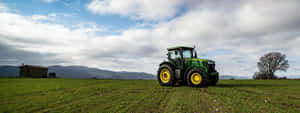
x=9, y=71
x=86, y=72
x=294, y=76
x=227, y=77
x=80, y=72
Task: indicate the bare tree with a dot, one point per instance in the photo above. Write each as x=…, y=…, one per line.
x=269, y=64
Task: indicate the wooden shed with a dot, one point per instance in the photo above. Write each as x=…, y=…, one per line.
x=33, y=71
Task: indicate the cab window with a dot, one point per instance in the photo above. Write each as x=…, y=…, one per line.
x=173, y=54
x=187, y=53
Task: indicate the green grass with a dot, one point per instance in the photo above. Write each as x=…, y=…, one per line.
x=90, y=95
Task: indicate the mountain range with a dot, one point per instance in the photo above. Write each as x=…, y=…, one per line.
x=80, y=72
x=228, y=77
x=86, y=72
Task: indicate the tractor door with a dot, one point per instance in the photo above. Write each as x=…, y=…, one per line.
x=176, y=57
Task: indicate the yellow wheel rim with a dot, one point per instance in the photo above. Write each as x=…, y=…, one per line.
x=165, y=75
x=196, y=78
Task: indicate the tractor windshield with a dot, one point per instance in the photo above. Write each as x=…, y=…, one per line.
x=187, y=53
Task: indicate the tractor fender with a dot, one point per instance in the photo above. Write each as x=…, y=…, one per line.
x=168, y=63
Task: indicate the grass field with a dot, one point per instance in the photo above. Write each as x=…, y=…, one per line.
x=90, y=95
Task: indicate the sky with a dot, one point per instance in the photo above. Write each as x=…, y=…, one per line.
x=132, y=35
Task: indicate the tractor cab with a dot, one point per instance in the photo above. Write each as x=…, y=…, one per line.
x=181, y=63
x=181, y=52
x=178, y=55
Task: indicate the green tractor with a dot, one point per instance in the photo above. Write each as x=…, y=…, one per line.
x=183, y=66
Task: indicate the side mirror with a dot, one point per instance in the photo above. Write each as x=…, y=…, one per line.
x=168, y=55
x=196, y=54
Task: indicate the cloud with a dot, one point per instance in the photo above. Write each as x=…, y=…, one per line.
x=50, y=1
x=43, y=18
x=52, y=15
x=78, y=45
x=10, y=55
x=137, y=9
x=246, y=30
x=262, y=16
x=3, y=8
x=35, y=36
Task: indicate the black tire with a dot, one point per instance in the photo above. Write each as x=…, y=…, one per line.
x=171, y=81
x=214, y=80
x=203, y=81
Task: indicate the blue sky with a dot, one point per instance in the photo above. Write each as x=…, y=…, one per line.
x=74, y=11
x=132, y=35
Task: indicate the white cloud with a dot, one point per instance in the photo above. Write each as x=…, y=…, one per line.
x=42, y=18
x=68, y=15
x=50, y=1
x=211, y=28
x=25, y=33
x=267, y=16
x=52, y=14
x=89, y=28
x=137, y=9
x=3, y=8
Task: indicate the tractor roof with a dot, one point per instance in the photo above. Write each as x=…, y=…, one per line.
x=178, y=47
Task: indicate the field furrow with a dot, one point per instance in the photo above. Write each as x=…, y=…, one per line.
x=90, y=95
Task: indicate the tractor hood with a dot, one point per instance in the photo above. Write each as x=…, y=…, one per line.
x=206, y=64
x=200, y=60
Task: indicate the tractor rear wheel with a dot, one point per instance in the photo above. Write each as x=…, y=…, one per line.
x=197, y=78
x=165, y=75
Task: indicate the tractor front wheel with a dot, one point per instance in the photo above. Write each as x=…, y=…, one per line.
x=165, y=75
x=197, y=78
